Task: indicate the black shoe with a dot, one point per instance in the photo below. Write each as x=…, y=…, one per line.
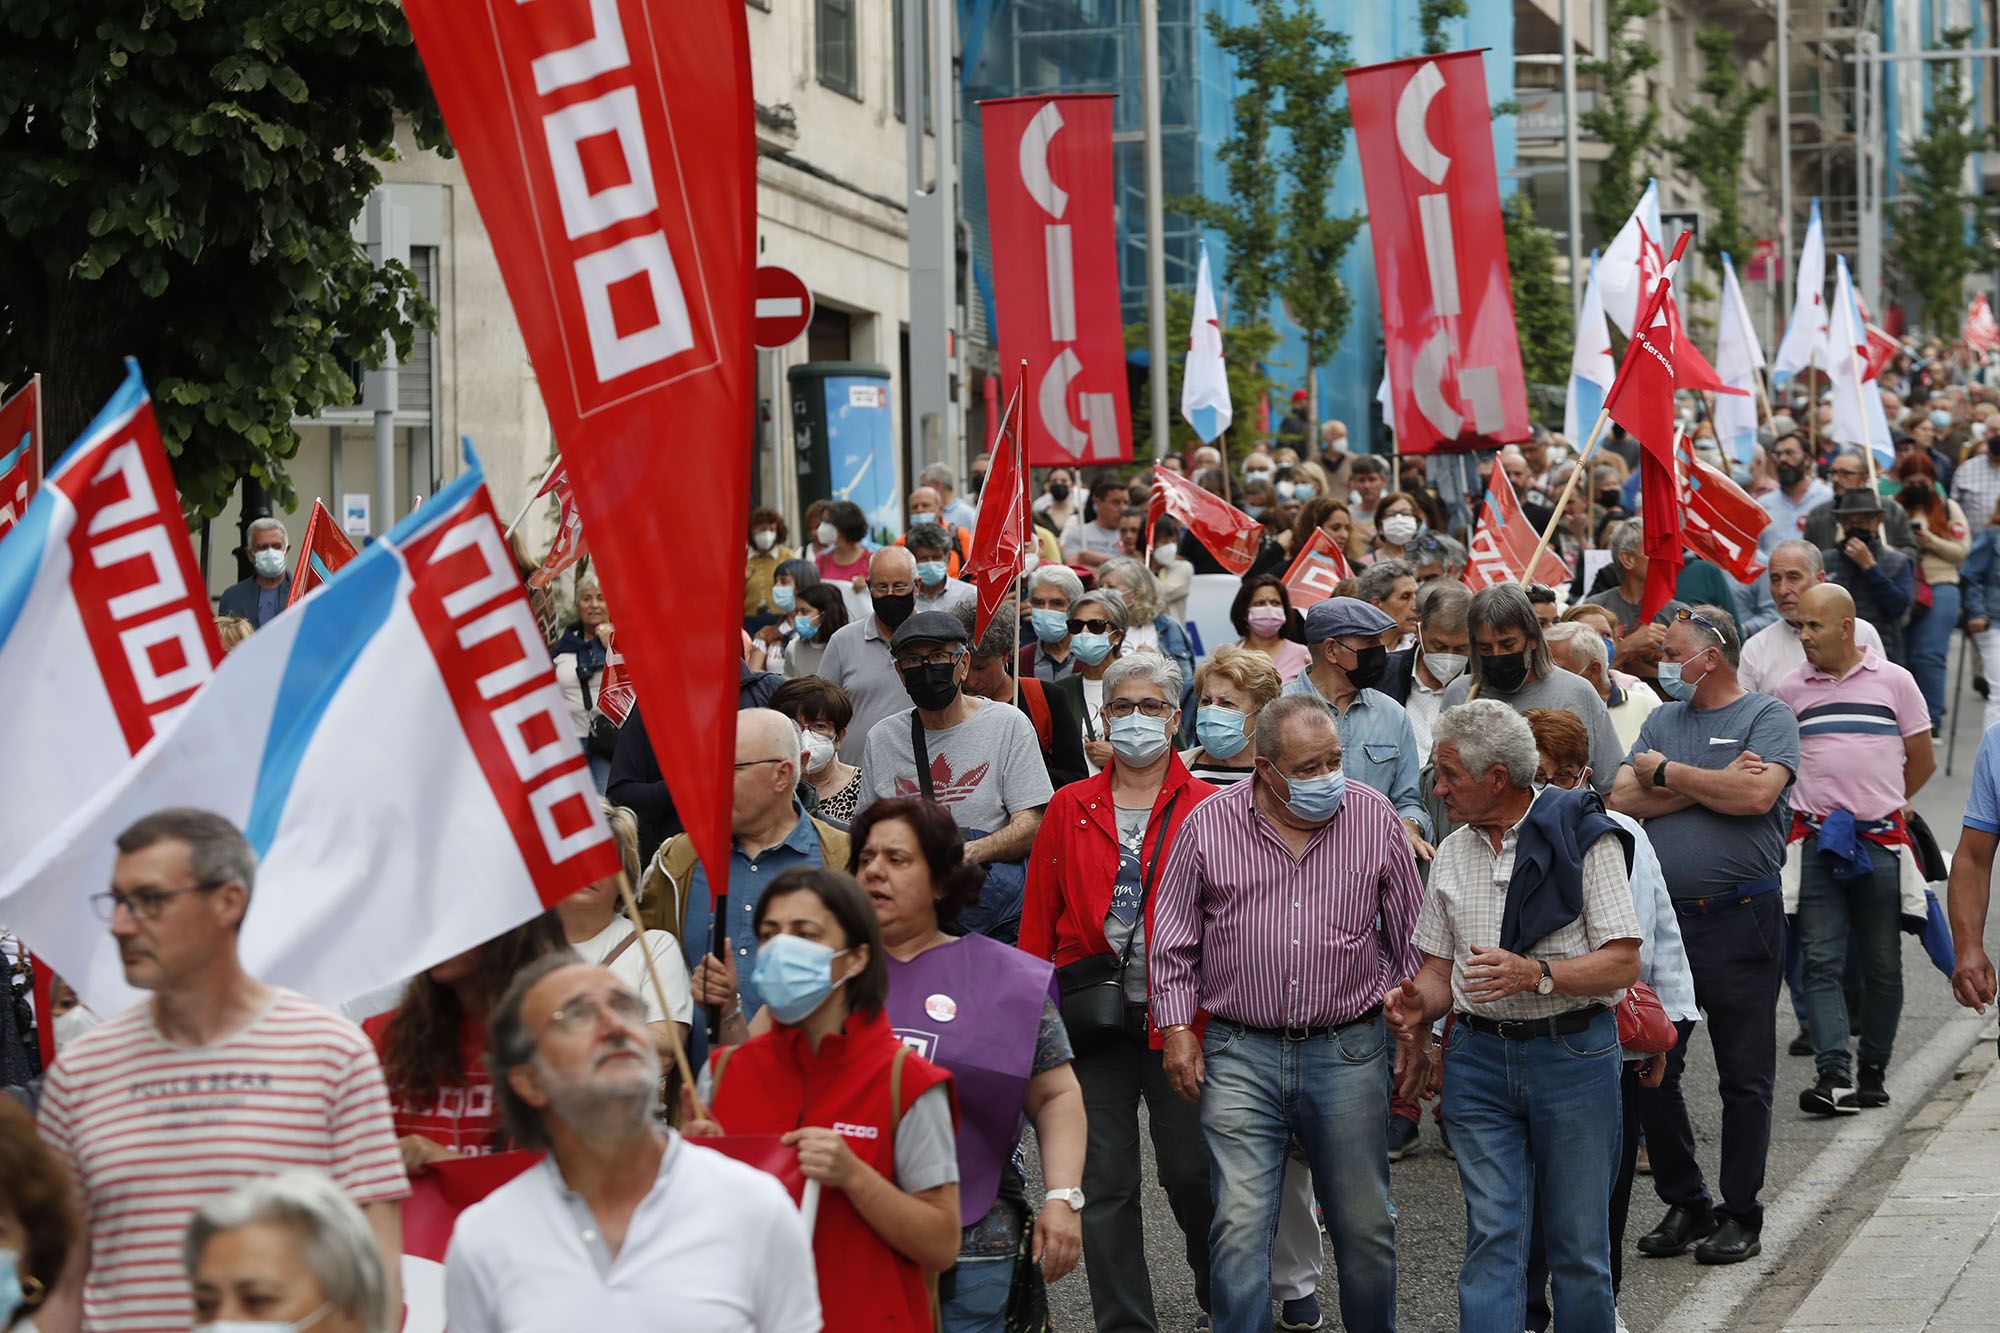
x=1801, y=1045
x=1979, y=686
x=1829, y=1096
x=1732, y=1243
x=1402, y=1137
x=1683, y=1225
x=1869, y=1089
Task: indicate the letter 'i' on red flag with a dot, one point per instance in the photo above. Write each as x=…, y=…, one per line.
x=1642, y=401
x=611, y=149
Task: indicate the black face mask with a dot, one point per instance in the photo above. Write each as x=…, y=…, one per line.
x=1506, y=672
x=1370, y=665
x=931, y=687
x=1862, y=535
x=1791, y=474
x=1915, y=497
x=1610, y=499
x=1993, y=446
x=895, y=609
x=1059, y=491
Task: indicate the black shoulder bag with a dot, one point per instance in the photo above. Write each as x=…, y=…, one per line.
x=1093, y=988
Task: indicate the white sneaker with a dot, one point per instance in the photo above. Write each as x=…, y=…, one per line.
x=1619, y=1323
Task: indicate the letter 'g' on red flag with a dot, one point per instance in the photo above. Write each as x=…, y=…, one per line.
x=610, y=148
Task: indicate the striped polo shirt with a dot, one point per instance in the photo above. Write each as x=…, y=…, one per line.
x=1851, y=731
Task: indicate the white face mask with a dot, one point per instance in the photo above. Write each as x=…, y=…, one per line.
x=764, y=538
x=68, y=1027
x=1397, y=529
x=819, y=751
x=827, y=534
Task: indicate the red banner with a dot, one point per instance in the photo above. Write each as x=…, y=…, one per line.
x=1050, y=216
x=1230, y=535
x=1981, y=331
x=322, y=553
x=615, y=695
x=1503, y=542
x=611, y=150
x=568, y=547
x=1422, y=129
x=1642, y=401
x=1001, y=537
x=1317, y=572
x=20, y=452
x=1720, y=522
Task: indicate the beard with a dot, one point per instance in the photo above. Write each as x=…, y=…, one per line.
x=613, y=1104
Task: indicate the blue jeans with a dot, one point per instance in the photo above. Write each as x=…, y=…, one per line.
x=1328, y=1092
x=1859, y=917
x=1535, y=1124
x=978, y=1301
x=1928, y=642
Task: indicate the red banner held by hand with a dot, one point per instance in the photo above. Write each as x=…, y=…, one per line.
x=321, y=555
x=615, y=695
x=998, y=542
x=1316, y=572
x=1230, y=535
x=1503, y=542
x=568, y=547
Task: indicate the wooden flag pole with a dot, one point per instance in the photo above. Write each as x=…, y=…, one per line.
x=1861, y=411
x=1562, y=501
x=533, y=496
x=660, y=994
x=1757, y=382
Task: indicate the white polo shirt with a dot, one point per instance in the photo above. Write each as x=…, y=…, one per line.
x=1774, y=652
x=714, y=1247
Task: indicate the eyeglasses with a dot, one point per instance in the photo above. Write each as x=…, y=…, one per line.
x=585, y=1012
x=143, y=904
x=1684, y=615
x=1090, y=627
x=752, y=763
x=826, y=729
x=944, y=658
x=891, y=589
x=1127, y=707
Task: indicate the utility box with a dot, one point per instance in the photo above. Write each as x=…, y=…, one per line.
x=843, y=441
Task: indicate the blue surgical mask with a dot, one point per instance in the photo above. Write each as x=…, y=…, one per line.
x=1941, y=419
x=1138, y=739
x=1090, y=648
x=806, y=629
x=1303, y=491
x=1050, y=626
x=1254, y=511
x=1316, y=800
x=1221, y=731
x=268, y=563
x=795, y=975
x=785, y=597
x=1257, y=474
x=930, y=573
x=1677, y=688
x=10, y=1285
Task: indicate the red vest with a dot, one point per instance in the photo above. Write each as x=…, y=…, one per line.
x=773, y=1084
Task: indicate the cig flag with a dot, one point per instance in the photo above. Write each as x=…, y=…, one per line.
x=1204, y=382
x=1591, y=369
x=1804, y=343
x=1738, y=357
x=1000, y=540
x=1504, y=542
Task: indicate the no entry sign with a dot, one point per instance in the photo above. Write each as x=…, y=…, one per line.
x=784, y=307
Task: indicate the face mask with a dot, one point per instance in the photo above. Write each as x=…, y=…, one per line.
x=764, y=538
x=10, y=1285
x=826, y=534
x=1942, y=420
x=1739, y=474
x=894, y=610
x=1257, y=474
x=931, y=687
x=795, y=976
x=1255, y=511
x=1316, y=800
x=1506, y=672
x=819, y=752
x=1163, y=555
x=1862, y=535
x=1266, y=620
x=1610, y=647
x=1303, y=491
x=1286, y=490
x=1090, y=648
x=1447, y=667
x=1993, y=445
x=1058, y=491
x=268, y=563
x=1674, y=685
x=1609, y=498
x=1138, y=739
x=807, y=629
x=1370, y=664
x=1050, y=626
x=930, y=573
x=1220, y=731
x=1397, y=529
x=263, y=1325
x=785, y=597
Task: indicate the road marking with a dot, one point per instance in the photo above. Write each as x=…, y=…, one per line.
x=779, y=307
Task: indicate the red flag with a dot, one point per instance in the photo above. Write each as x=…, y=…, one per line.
x=1504, y=541
x=43, y=985
x=1981, y=333
x=1001, y=537
x=1421, y=132
x=1720, y=522
x=615, y=695
x=20, y=452
x=1052, y=220
x=612, y=152
x=1230, y=535
x=1317, y=571
x=1642, y=401
x=322, y=553
x=568, y=546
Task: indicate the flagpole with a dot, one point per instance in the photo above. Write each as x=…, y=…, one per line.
x=1861, y=412
x=533, y=496
x=660, y=994
x=1562, y=501
x=1027, y=516
x=1758, y=383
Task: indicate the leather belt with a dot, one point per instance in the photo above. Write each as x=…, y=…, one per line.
x=1736, y=897
x=1306, y=1033
x=1527, y=1029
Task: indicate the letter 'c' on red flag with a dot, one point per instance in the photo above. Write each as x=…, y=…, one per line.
x=610, y=148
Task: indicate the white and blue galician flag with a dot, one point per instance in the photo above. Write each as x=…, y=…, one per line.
x=1858, y=414
x=1738, y=357
x=1633, y=260
x=397, y=752
x=1204, y=382
x=1591, y=369
x=1804, y=343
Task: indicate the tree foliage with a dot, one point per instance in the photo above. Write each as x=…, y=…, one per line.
x=1541, y=304
x=1245, y=350
x=1623, y=118
x=1432, y=16
x=178, y=180
x=1712, y=149
x=1939, y=240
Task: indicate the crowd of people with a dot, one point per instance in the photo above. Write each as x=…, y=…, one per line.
x=1398, y=846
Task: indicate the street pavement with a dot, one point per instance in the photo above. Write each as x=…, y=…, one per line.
x=1825, y=1175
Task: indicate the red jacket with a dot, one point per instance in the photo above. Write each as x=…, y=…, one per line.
x=1074, y=866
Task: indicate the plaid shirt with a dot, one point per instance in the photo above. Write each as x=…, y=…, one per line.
x=1976, y=487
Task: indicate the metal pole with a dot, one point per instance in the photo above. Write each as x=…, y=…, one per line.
x=933, y=226
x=1570, y=169
x=1868, y=170
x=1156, y=254
x=388, y=231
x=1785, y=155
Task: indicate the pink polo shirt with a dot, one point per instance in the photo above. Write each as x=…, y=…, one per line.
x=1851, y=732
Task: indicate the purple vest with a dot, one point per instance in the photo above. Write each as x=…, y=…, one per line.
x=974, y=1006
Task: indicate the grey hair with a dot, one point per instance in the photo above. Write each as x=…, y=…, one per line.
x=1060, y=577
x=1585, y=640
x=1443, y=605
x=1113, y=602
x=1447, y=550
x=1155, y=668
x=1273, y=716
x=1001, y=632
x=930, y=536
x=1367, y=464
x=218, y=853
x=1501, y=607
x=509, y=1045
x=258, y=525
x=1720, y=628
x=1377, y=581
x=1488, y=734
x=936, y=475
x=1143, y=595
x=1628, y=538
x=588, y=581
x=1805, y=551
x=337, y=1243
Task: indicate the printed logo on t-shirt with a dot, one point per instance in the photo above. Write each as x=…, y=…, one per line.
x=950, y=788
x=846, y=1130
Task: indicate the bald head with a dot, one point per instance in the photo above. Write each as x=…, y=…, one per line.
x=925, y=503
x=891, y=564
x=768, y=762
x=1826, y=628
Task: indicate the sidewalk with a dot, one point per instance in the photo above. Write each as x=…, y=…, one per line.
x=1929, y=1259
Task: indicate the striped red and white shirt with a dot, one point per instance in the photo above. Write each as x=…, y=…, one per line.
x=1249, y=933
x=153, y=1130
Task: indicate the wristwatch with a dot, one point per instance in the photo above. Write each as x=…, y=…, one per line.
x=1073, y=1197
x=1660, y=775
x=1547, y=985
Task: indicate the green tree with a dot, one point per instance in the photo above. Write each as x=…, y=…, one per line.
x=1541, y=304
x=1939, y=237
x=1712, y=149
x=1432, y=15
x=1626, y=123
x=1245, y=349
x=178, y=179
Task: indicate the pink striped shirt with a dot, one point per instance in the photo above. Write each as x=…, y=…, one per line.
x=1247, y=932
x=153, y=1130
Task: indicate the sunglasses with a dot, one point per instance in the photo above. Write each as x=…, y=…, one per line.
x=1090, y=627
x=1685, y=616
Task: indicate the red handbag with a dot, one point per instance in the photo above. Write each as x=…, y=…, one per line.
x=1643, y=1025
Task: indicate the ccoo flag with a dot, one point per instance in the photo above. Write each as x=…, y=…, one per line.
x=20, y=451
x=398, y=754
x=1204, y=382
x=1591, y=369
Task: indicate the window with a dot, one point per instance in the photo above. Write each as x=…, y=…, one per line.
x=834, y=37
x=896, y=20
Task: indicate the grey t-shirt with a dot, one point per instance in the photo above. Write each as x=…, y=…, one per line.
x=1614, y=601
x=1127, y=918
x=1571, y=693
x=983, y=770
x=1704, y=852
